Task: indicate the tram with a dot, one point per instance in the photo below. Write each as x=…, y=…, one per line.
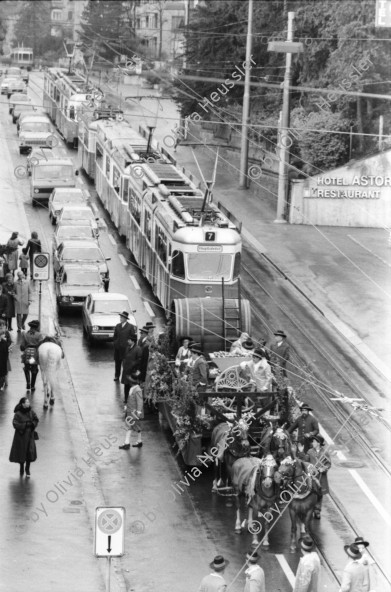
x=66, y=97
x=22, y=57
x=182, y=241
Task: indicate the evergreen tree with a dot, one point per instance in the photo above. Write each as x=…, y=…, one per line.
x=33, y=27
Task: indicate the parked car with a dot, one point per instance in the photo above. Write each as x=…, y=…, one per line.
x=38, y=154
x=25, y=109
x=7, y=86
x=74, y=282
x=82, y=251
x=19, y=97
x=101, y=315
x=62, y=196
x=65, y=232
x=35, y=130
x=75, y=212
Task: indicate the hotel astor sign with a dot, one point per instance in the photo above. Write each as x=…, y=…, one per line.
x=358, y=187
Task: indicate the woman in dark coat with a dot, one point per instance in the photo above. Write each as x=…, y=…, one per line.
x=23, y=449
x=33, y=246
x=131, y=364
x=12, y=249
x=5, y=345
x=9, y=291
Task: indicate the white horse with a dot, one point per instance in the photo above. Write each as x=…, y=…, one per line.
x=49, y=355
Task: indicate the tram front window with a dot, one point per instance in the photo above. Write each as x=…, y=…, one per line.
x=209, y=266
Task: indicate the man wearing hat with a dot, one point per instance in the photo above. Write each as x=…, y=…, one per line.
x=28, y=345
x=258, y=371
x=144, y=343
x=308, y=570
x=120, y=341
x=279, y=354
x=215, y=582
x=306, y=425
x=255, y=576
x=368, y=562
x=184, y=354
x=320, y=458
x=131, y=364
x=355, y=575
x=198, y=368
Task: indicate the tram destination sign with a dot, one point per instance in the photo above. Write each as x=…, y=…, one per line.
x=109, y=532
x=209, y=248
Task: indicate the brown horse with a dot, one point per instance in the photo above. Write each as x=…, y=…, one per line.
x=300, y=490
x=276, y=441
x=258, y=480
x=231, y=440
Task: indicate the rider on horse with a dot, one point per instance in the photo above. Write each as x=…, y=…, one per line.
x=30, y=341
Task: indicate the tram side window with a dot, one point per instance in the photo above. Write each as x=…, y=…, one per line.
x=135, y=206
x=161, y=244
x=148, y=226
x=237, y=264
x=125, y=187
x=178, y=265
x=56, y=95
x=116, y=180
x=99, y=156
x=72, y=112
x=107, y=166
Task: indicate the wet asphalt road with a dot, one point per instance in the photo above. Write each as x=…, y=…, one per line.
x=55, y=551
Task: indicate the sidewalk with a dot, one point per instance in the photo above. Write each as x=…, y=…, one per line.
x=345, y=272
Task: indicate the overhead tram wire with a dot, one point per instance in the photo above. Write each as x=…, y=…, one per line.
x=257, y=183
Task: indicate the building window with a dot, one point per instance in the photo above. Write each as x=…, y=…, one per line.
x=177, y=22
x=57, y=15
x=155, y=21
x=70, y=15
x=138, y=25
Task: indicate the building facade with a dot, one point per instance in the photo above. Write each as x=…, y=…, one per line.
x=65, y=18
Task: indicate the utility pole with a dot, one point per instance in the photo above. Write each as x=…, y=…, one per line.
x=243, y=179
x=187, y=19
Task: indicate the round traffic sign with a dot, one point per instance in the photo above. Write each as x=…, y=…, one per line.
x=41, y=261
x=110, y=521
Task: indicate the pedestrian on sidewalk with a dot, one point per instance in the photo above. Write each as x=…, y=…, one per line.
x=3, y=303
x=3, y=269
x=23, y=449
x=134, y=412
x=33, y=246
x=23, y=299
x=355, y=575
x=131, y=364
x=9, y=291
x=120, y=341
x=12, y=248
x=308, y=570
x=320, y=458
x=24, y=261
x=279, y=355
x=29, y=345
x=255, y=576
x=368, y=561
x=215, y=582
x=5, y=348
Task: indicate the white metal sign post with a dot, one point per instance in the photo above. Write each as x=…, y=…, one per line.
x=41, y=272
x=109, y=535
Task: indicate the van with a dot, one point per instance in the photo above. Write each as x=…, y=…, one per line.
x=48, y=174
x=35, y=130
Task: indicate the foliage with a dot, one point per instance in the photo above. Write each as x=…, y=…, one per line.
x=33, y=28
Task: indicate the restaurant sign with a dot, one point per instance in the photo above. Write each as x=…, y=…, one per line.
x=358, y=187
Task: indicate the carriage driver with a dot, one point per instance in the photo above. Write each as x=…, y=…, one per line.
x=306, y=425
x=29, y=344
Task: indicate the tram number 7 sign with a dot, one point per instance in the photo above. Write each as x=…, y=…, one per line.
x=41, y=266
x=109, y=532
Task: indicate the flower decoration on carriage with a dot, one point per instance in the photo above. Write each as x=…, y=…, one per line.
x=268, y=461
x=280, y=434
x=288, y=461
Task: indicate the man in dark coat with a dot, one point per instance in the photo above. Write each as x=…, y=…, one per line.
x=33, y=246
x=23, y=449
x=307, y=426
x=122, y=332
x=143, y=343
x=131, y=364
x=29, y=344
x=320, y=458
x=198, y=368
x=279, y=354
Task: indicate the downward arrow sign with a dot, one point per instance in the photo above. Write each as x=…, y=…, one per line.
x=109, y=544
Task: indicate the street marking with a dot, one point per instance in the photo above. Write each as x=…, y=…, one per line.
x=149, y=309
x=360, y=482
x=135, y=283
x=112, y=239
x=123, y=260
x=286, y=569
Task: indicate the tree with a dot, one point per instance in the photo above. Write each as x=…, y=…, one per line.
x=33, y=26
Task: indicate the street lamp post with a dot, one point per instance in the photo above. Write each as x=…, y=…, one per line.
x=289, y=47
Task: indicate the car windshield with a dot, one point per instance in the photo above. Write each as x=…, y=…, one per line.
x=19, y=97
x=35, y=126
x=74, y=232
x=81, y=277
x=53, y=171
x=111, y=306
x=82, y=254
x=77, y=215
x=61, y=199
x=209, y=266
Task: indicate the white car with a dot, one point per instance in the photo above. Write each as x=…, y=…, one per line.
x=7, y=85
x=19, y=97
x=64, y=196
x=74, y=282
x=71, y=212
x=101, y=315
x=65, y=232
